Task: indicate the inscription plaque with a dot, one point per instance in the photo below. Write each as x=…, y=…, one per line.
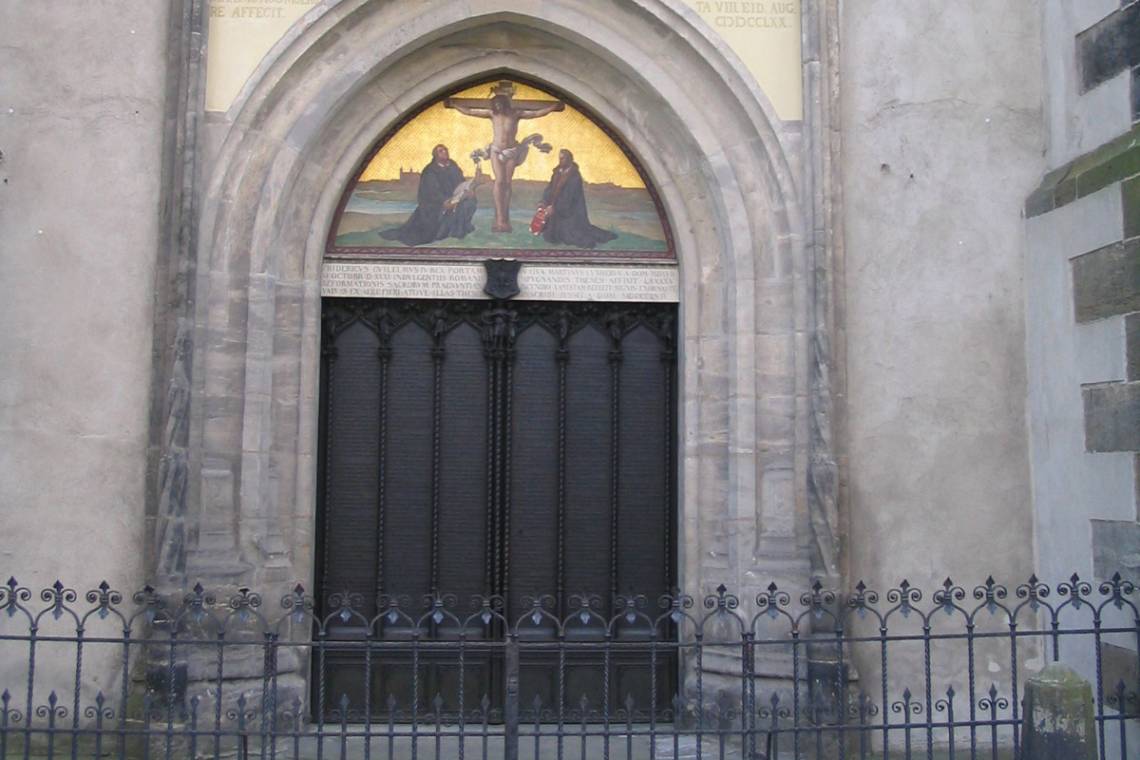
x=573, y=282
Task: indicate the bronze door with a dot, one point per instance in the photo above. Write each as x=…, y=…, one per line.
x=488, y=448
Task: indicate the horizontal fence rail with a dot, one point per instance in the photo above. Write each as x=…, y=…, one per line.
x=902, y=674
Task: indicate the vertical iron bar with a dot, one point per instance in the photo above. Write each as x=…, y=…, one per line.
x=561, y=688
x=817, y=729
x=863, y=729
x=972, y=688
x=273, y=715
x=193, y=731
x=391, y=726
x=147, y=704
x=773, y=739
x=218, y=694
x=462, y=686
x=98, y=726
x=322, y=636
x=486, y=716
x=537, y=726
x=698, y=646
x=841, y=691
x=926, y=670
x=950, y=720
x=5, y=713
x=678, y=713
x=884, y=704
x=629, y=727
x=1122, y=703
x=606, y=695
x=124, y=687
x=721, y=731
x=30, y=711
x=415, y=690
x=993, y=725
x=653, y=692
x=369, y=642
x=51, y=727
x=343, y=725
x=584, y=704
x=511, y=703
x=268, y=702
x=747, y=695
x=1014, y=703
x=906, y=724
x=1137, y=621
x=78, y=680
x=169, y=740
x=437, y=704
x=296, y=728
x=1100, y=683
x=795, y=691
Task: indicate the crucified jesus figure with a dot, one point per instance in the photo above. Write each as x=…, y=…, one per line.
x=505, y=152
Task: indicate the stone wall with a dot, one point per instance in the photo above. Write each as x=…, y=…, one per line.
x=939, y=152
x=942, y=140
x=81, y=132
x=1082, y=302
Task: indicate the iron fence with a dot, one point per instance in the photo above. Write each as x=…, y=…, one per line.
x=837, y=675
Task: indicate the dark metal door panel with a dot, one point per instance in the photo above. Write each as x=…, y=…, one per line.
x=488, y=448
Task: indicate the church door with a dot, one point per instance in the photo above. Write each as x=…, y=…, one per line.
x=478, y=448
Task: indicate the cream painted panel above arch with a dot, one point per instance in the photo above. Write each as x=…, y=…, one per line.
x=763, y=34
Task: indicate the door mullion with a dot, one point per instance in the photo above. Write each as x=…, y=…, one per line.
x=439, y=336
x=508, y=383
x=614, y=325
x=563, y=358
x=383, y=355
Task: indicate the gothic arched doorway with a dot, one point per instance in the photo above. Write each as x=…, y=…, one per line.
x=484, y=439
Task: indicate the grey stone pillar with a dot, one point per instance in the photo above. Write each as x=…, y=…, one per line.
x=1059, y=721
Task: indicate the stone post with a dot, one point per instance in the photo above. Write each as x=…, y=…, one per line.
x=1059, y=721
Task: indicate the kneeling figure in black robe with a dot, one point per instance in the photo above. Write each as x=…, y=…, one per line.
x=567, y=222
x=437, y=215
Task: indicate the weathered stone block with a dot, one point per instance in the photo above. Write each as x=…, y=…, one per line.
x=1106, y=282
x=1112, y=417
x=1109, y=47
x=1059, y=723
x=1135, y=94
x=1116, y=548
x=1132, y=346
x=1130, y=197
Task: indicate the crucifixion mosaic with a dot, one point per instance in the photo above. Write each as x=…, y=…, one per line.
x=509, y=167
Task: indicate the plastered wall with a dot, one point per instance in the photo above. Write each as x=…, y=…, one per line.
x=942, y=140
x=81, y=123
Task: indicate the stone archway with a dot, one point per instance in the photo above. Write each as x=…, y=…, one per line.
x=295, y=137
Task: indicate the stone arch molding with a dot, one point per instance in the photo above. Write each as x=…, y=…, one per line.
x=346, y=73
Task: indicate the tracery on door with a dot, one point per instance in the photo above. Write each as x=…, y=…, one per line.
x=495, y=448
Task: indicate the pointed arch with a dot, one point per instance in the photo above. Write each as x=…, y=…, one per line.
x=707, y=140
